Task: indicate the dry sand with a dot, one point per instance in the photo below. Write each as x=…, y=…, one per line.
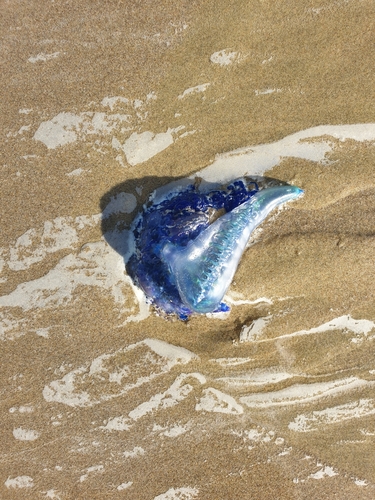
x=102, y=398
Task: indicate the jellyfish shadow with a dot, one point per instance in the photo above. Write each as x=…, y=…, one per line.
x=120, y=205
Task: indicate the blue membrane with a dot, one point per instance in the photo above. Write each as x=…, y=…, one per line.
x=188, y=246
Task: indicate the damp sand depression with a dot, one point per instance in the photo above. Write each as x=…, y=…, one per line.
x=103, y=398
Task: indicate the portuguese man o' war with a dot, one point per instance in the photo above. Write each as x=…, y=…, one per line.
x=189, y=242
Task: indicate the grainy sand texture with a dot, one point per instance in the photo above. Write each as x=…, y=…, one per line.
x=102, y=398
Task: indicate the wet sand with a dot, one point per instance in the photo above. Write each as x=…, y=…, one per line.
x=102, y=397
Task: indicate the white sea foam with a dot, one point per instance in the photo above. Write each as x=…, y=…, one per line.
x=223, y=57
x=143, y=304
x=304, y=393
x=175, y=430
x=357, y=326
x=66, y=128
x=43, y=57
x=257, y=377
x=345, y=323
x=53, y=494
x=237, y=299
x=94, y=468
x=116, y=424
x=124, y=486
x=231, y=361
x=59, y=131
x=267, y=91
x=59, y=234
x=216, y=401
x=194, y=90
x=20, y=482
x=171, y=431
x=254, y=331
x=312, y=421
x=43, y=332
x=139, y=148
x=23, y=129
x=258, y=435
x=171, y=353
x=21, y=409
x=97, y=264
x=111, y=375
x=324, y=472
x=112, y=102
x=361, y=482
x=76, y=172
x=256, y=160
x=176, y=393
x=25, y=434
x=185, y=493
x=137, y=451
x=222, y=315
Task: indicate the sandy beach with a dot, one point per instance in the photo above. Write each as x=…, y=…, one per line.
x=104, y=398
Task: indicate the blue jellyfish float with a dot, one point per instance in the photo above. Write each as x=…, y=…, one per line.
x=189, y=241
